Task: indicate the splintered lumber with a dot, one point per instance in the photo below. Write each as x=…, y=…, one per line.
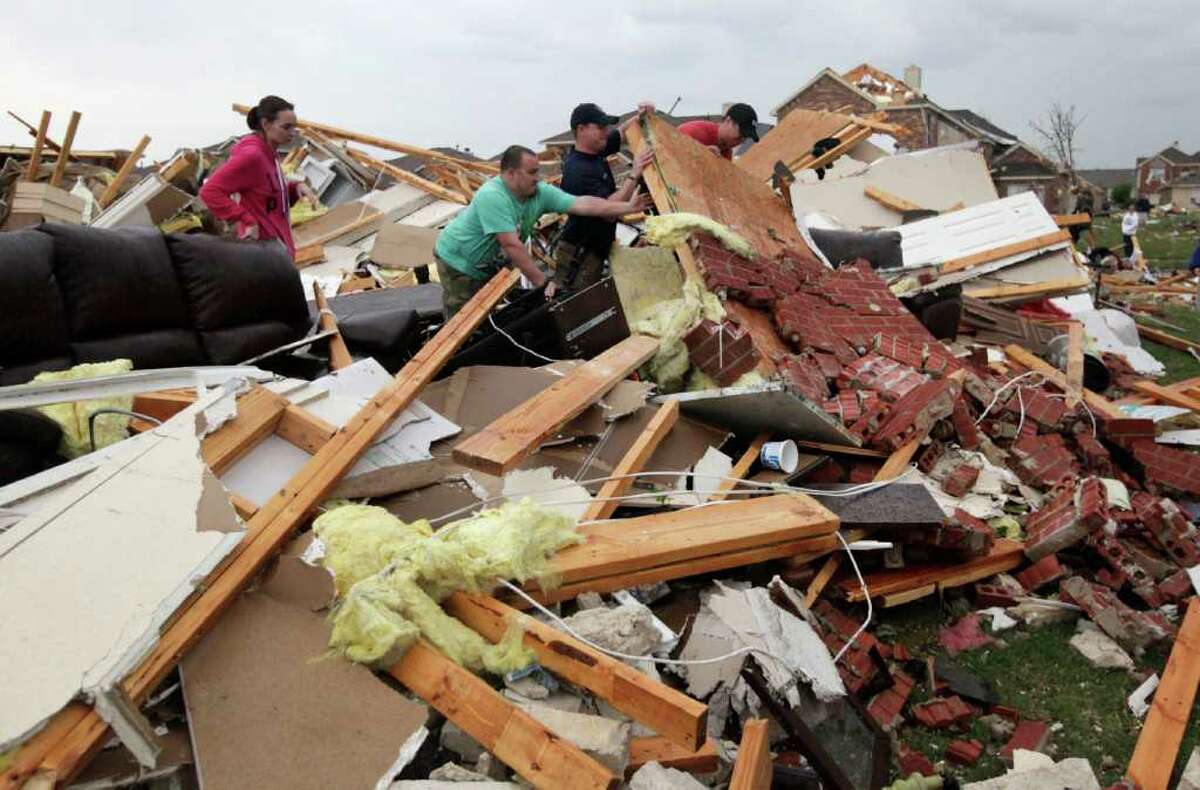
x=1029, y=290
x=817, y=585
x=1005, y=250
x=258, y=412
x=741, y=468
x=670, y=713
x=379, y=142
x=1167, y=339
x=842, y=449
x=1066, y=220
x=808, y=162
x=752, y=771
x=339, y=355
x=1074, y=363
x=1167, y=395
x=64, y=153
x=1097, y=403
x=516, y=435
x=667, y=753
x=114, y=187
x=792, y=137
x=39, y=142
x=307, y=256
x=635, y=458
x=1158, y=745
x=1004, y=555
x=888, y=200
x=303, y=429
x=274, y=523
x=516, y=738
x=435, y=189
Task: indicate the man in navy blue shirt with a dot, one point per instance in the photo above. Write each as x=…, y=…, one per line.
x=583, y=249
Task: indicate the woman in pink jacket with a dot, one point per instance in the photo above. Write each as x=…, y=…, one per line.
x=249, y=189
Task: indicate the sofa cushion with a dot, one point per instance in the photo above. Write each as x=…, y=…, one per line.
x=163, y=348
x=235, y=345
x=116, y=281
x=881, y=248
x=229, y=283
x=33, y=322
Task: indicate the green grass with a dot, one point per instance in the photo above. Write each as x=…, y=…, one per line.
x=1167, y=241
x=1039, y=674
x=1180, y=365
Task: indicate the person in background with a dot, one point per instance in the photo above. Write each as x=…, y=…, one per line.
x=500, y=219
x=1129, y=226
x=1143, y=209
x=583, y=249
x=740, y=122
x=249, y=189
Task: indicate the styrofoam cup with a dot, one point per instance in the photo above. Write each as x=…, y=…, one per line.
x=783, y=456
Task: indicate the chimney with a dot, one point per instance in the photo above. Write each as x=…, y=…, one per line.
x=912, y=76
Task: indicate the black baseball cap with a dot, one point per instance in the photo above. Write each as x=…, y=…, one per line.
x=591, y=113
x=746, y=119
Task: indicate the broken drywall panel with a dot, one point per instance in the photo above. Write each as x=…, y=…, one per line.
x=763, y=407
x=542, y=486
x=135, y=539
x=936, y=179
x=260, y=689
x=708, y=475
x=400, y=246
x=624, y=399
x=135, y=382
x=264, y=469
x=1073, y=772
x=1114, y=331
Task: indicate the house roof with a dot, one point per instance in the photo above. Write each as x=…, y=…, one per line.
x=1107, y=178
x=1024, y=170
x=883, y=87
x=1189, y=179
x=1172, y=154
x=825, y=72
x=985, y=126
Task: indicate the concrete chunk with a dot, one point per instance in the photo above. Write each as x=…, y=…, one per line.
x=1099, y=648
x=628, y=628
x=1074, y=772
x=605, y=740
x=653, y=776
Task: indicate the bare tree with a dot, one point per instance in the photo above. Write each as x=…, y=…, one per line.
x=1058, y=131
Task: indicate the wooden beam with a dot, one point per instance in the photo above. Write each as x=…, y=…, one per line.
x=1029, y=290
x=176, y=166
x=258, y=412
x=39, y=141
x=1167, y=339
x=842, y=449
x=1167, y=395
x=753, y=769
x=636, y=134
x=821, y=580
x=64, y=154
x=339, y=355
x=308, y=255
x=667, y=753
x=1074, y=363
x=1066, y=220
x=435, y=189
x=877, y=126
x=1157, y=747
x=114, y=186
x=809, y=162
x=670, y=713
x=277, y=520
x=1003, y=251
x=30, y=756
x=888, y=200
x=742, y=467
x=1097, y=403
x=634, y=459
x=520, y=741
x=303, y=429
x=516, y=435
x=1004, y=555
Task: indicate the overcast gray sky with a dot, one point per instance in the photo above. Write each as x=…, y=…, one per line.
x=486, y=74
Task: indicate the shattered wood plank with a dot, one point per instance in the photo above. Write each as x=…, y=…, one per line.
x=114, y=186
x=516, y=435
x=279, y=518
x=520, y=741
x=1005, y=250
x=667, y=753
x=1157, y=746
x=1074, y=363
x=888, y=200
x=741, y=468
x=1029, y=291
x=64, y=153
x=791, y=138
x=752, y=771
x=31, y=754
x=1167, y=339
x=1005, y=555
x=424, y=184
x=808, y=162
x=1066, y=220
x=258, y=412
x=339, y=355
x=1097, y=403
x=303, y=429
x=634, y=459
x=802, y=549
x=39, y=142
x=309, y=255
x=1167, y=395
x=672, y=714
x=842, y=449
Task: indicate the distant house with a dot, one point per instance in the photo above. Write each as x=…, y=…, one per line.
x=1016, y=166
x=1159, y=174
x=1107, y=179
x=1183, y=192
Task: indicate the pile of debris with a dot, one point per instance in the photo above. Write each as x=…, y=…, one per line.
x=431, y=568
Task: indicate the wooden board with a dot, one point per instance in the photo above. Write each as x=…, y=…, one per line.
x=1005, y=555
x=1005, y=250
x=1074, y=363
x=515, y=737
x=437, y=190
x=1097, y=403
x=1157, y=747
x=339, y=355
x=275, y=522
x=634, y=459
x=499, y=447
x=64, y=153
x=114, y=187
x=849, y=139
x=39, y=142
x=742, y=467
x=1167, y=339
x=303, y=429
x=258, y=412
x=1028, y=290
x=1167, y=395
x=888, y=200
x=667, y=753
x=688, y=177
x=753, y=770
x=672, y=714
x=1066, y=220
x=790, y=140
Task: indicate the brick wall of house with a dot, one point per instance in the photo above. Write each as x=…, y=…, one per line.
x=827, y=94
x=1171, y=171
x=913, y=136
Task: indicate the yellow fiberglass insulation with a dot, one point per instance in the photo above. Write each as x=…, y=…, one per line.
x=669, y=321
x=392, y=575
x=73, y=417
x=671, y=230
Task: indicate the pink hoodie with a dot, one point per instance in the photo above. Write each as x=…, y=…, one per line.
x=252, y=171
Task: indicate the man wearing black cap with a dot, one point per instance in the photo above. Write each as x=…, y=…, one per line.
x=740, y=122
x=585, y=241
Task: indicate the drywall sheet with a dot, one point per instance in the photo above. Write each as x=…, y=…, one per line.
x=87, y=581
x=269, y=708
x=401, y=246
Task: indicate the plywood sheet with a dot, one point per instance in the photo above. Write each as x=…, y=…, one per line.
x=791, y=139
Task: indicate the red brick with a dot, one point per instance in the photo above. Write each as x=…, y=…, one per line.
x=1132, y=629
x=1177, y=586
x=960, y=480
x=1039, y=407
x=1169, y=528
x=888, y=705
x=987, y=595
x=1166, y=469
x=1029, y=735
x=1041, y=573
x=964, y=752
x=912, y=762
x=915, y=412
x=1094, y=454
x=964, y=424
x=940, y=714
x=1053, y=527
x=723, y=351
x=803, y=373
x=1044, y=461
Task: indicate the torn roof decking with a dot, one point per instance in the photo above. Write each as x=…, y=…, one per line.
x=791, y=140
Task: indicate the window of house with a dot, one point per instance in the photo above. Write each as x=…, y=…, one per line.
x=1158, y=173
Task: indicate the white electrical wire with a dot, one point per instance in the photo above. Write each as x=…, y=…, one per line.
x=513, y=340
x=866, y=593
x=1008, y=384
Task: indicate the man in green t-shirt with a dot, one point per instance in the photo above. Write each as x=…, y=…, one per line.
x=500, y=219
